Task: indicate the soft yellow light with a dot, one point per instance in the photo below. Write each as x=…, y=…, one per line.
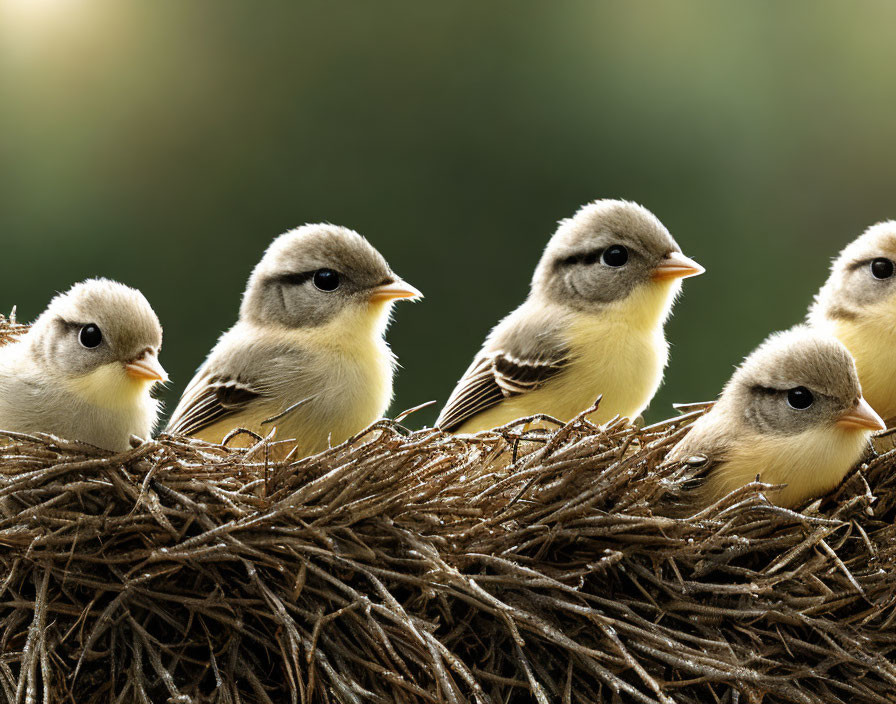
x=26, y=25
x=35, y=16
x=30, y=9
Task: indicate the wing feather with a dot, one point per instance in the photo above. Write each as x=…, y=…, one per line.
x=208, y=400
x=491, y=379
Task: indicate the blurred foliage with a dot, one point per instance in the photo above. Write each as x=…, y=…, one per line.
x=165, y=144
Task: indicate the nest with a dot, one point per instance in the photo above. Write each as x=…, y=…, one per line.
x=519, y=565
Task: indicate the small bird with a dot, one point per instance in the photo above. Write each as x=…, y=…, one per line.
x=85, y=368
x=792, y=414
x=857, y=304
x=592, y=325
x=307, y=355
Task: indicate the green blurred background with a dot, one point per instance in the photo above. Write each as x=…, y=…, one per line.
x=166, y=143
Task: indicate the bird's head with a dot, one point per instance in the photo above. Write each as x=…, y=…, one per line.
x=317, y=274
x=613, y=253
x=797, y=381
x=862, y=282
x=101, y=339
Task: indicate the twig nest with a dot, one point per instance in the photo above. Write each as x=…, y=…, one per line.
x=516, y=565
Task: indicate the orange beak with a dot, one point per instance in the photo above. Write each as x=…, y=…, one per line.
x=394, y=291
x=676, y=266
x=862, y=417
x=146, y=367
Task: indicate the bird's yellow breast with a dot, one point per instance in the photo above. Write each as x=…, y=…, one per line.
x=618, y=354
x=872, y=342
x=357, y=366
x=811, y=464
x=346, y=375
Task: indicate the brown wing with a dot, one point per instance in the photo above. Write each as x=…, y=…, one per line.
x=491, y=379
x=208, y=400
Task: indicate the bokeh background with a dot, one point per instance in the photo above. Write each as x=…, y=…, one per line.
x=166, y=143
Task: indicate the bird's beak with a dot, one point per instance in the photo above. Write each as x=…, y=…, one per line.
x=676, y=266
x=393, y=291
x=862, y=416
x=146, y=366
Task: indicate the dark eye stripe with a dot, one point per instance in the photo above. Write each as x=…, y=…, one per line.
x=594, y=255
x=70, y=325
x=770, y=391
x=576, y=259
x=293, y=279
x=583, y=258
x=766, y=390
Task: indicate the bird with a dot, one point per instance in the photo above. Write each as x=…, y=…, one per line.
x=591, y=325
x=307, y=355
x=85, y=368
x=857, y=304
x=792, y=414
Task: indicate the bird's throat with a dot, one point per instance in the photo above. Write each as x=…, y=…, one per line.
x=109, y=386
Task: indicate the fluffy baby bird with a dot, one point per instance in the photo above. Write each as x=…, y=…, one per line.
x=857, y=304
x=307, y=354
x=792, y=414
x=84, y=369
x=591, y=325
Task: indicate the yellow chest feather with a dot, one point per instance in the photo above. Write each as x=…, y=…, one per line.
x=873, y=345
x=618, y=355
x=346, y=376
x=809, y=464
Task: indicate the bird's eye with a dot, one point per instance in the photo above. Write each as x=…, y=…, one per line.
x=90, y=336
x=799, y=398
x=326, y=279
x=615, y=256
x=882, y=268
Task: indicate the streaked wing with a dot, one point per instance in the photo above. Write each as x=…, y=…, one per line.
x=491, y=379
x=475, y=392
x=208, y=400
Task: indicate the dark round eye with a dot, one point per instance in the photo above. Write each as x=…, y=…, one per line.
x=617, y=255
x=799, y=398
x=90, y=336
x=326, y=279
x=882, y=268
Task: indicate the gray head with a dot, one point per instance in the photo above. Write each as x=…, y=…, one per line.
x=97, y=324
x=605, y=252
x=798, y=380
x=314, y=273
x=862, y=283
